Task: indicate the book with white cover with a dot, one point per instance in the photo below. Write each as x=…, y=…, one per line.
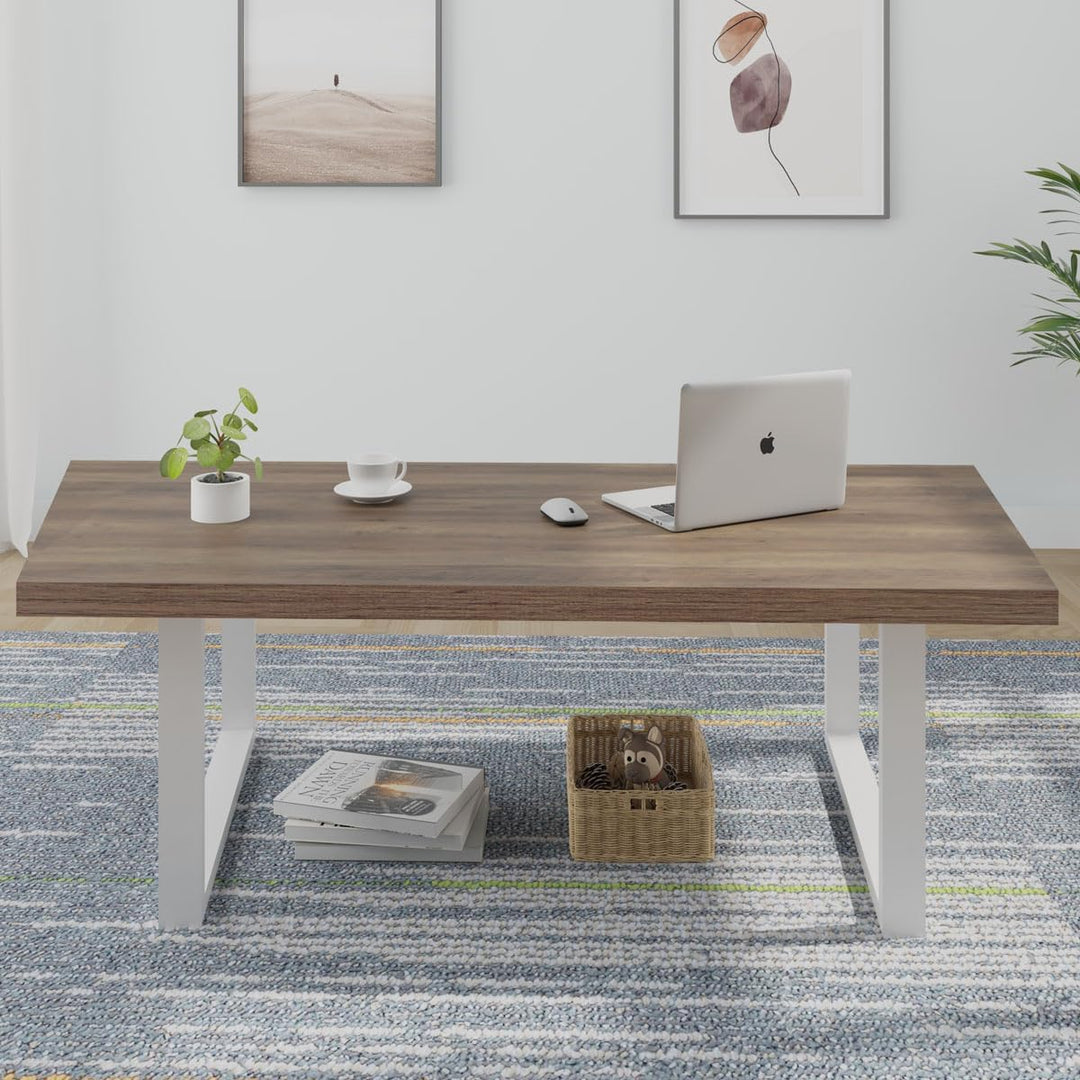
x=452, y=838
x=371, y=792
x=473, y=851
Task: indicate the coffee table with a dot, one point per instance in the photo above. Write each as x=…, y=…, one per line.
x=912, y=545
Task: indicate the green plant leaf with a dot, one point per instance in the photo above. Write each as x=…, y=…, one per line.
x=209, y=455
x=1048, y=323
x=172, y=462
x=1066, y=182
x=253, y=427
x=1057, y=299
x=232, y=447
x=225, y=461
x=197, y=427
x=196, y=443
x=248, y=398
x=1055, y=333
x=1020, y=251
x=206, y=412
x=232, y=432
x=258, y=468
x=231, y=420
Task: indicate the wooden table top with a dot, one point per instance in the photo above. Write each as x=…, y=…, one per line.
x=916, y=544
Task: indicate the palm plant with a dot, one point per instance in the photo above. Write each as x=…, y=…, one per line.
x=1055, y=333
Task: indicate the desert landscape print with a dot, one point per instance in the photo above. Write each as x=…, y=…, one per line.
x=339, y=92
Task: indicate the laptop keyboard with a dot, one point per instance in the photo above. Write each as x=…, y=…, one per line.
x=666, y=508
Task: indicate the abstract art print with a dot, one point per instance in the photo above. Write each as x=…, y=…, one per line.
x=340, y=92
x=780, y=108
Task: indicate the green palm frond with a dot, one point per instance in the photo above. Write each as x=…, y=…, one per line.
x=1066, y=185
x=1055, y=333
x=1066, y=182
x=1063, y=346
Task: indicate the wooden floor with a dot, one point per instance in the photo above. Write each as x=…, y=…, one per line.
x=1062, y=565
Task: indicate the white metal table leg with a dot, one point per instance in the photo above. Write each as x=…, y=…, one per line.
x=842, y=679
x=238, y=673
x=887, y=813
x=196, y=807
x=181, y=745
x=225, y=773
x=902, y=780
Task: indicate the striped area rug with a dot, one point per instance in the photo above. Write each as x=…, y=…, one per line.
x=766, y=963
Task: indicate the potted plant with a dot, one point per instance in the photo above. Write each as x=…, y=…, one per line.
x=1055, y=333
x=220, y=496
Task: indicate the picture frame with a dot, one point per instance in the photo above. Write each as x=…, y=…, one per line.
x=812, y=143
x=339, y=93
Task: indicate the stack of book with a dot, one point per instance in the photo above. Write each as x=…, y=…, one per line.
x=380, y=809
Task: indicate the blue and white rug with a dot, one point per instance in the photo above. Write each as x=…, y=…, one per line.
x=766, y=963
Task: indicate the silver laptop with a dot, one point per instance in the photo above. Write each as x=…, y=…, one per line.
x=759, y=448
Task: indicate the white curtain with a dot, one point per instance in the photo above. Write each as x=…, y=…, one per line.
x=20, y=266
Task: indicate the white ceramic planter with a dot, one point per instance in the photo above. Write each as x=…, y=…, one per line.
x=218, y=504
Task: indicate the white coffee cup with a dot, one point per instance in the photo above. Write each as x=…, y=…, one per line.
x=375, y=473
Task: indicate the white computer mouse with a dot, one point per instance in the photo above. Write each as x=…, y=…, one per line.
x=564, y=512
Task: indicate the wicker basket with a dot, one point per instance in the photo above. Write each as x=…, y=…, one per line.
x=641, y=826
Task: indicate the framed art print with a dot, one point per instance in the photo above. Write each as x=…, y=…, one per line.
x=340, y=92
x=781, y=108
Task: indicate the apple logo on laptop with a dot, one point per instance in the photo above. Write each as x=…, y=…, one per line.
x=767, y=444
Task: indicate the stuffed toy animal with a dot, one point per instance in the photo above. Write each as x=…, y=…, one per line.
x=637, y=765
x=639, y=758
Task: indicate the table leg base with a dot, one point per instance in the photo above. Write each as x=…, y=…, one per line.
x=887, y=813
x=195, y=807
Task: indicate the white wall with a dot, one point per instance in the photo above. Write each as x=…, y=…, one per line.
x=543, y=304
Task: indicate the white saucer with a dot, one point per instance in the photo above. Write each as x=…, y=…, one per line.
x=394, y=491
